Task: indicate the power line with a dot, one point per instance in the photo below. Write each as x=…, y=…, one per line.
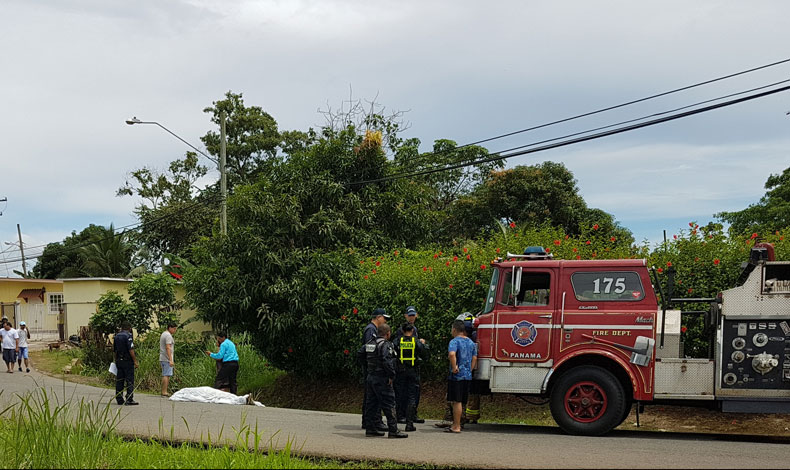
x=502, y=155
x=662, y=113
x=129, y=228
x=602, y=110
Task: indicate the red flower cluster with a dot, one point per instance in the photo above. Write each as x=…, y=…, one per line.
x=512, y=225
x=683, y=329
x=455, y=259
x=596, y=227
x=468, y=257
x=355, y=311
x=754, y=235
x=482, y=266
x=557, y=242
x=466, y=249
x=378, y=263
x=435, y=255
x=669, y=264
x=613, y=239
x=587, y=242
x=716, y=261
x=660, y=270
x=344, y=318
x=477, y=282
x=447, y=263
x=346, y=351
x=451, y=286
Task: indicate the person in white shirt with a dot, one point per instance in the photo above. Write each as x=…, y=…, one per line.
x=10, y=346
x=24, y=335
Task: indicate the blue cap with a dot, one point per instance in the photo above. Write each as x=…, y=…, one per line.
x=411, y=311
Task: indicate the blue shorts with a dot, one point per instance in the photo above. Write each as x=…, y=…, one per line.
x=167, y=371
x=22, y=353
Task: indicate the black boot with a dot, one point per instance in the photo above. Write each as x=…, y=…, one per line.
x=397, y=435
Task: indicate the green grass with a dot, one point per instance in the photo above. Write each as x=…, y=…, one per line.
x=192, y=367
x=40, y=431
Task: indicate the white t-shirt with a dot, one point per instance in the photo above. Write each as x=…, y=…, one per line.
x=22, y=337
x=164, y=340
x=9, y=338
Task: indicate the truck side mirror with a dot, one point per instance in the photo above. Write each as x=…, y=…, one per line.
x=642, y=351
x=515, y=284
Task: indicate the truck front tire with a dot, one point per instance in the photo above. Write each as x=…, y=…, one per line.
x=588, y=401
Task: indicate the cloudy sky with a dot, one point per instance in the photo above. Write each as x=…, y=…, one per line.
x=71, y=72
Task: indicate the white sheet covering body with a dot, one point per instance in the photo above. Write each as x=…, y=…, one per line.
x=211, y=395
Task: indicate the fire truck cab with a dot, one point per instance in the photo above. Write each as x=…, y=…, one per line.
x=583, y=334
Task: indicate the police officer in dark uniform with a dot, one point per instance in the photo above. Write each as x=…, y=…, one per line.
x=379, y=317
x=411, y=317
x=126, y=363
x=410, y=352
x=381, y=374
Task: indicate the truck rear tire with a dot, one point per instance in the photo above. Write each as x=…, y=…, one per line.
x=588, y=401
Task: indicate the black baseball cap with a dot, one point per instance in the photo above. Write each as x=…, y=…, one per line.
x=380, y=311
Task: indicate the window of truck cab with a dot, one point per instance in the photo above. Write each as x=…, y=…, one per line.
x=535, y=288
x=607, y=286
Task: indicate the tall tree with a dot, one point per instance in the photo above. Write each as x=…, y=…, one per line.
x=771, y=213
x=533, y=195
x=66, y=256
x=251, y=134
x=109, y=255
x=173, y=209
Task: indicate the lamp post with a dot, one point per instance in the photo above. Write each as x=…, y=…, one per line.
x=223, y=221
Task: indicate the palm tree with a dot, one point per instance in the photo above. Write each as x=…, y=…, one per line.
x=110, y=255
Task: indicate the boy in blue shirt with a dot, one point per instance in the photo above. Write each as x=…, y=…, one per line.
x=230, y=363
x=462, y=353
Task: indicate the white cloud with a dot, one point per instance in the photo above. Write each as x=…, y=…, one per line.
x=73, y=71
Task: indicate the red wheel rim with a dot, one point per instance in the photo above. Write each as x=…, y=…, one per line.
x=585, y=402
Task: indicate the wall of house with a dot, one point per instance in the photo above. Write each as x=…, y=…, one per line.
x=82, y=295
x=30, y=310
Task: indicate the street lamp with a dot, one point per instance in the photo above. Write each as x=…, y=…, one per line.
x=223, y=185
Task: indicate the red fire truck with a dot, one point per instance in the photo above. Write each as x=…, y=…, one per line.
x=590, y=337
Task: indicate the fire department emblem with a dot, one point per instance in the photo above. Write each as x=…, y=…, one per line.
x=524, y=333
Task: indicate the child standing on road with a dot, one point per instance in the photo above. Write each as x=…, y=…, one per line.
x=24, y=335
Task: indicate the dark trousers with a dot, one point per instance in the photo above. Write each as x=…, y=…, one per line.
x=125, y=377
x=365, y=399
x=227, y=375
x=380, y=397
x=407, y=389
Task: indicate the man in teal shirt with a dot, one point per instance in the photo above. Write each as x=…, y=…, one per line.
x=229, y=359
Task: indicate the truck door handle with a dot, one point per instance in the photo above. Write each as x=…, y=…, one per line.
x=544, y=316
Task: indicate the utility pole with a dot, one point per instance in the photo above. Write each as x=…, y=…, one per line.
x=223, y=181
x=22, y=249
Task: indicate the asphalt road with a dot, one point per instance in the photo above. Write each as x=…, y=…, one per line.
x=338, y=435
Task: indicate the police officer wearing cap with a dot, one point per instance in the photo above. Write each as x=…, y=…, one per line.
x=378, y=317
x=126, y=363
x=409, y=351
x=381, y=375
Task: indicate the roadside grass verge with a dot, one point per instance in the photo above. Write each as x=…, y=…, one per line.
x=38, y=430
x=192, y=367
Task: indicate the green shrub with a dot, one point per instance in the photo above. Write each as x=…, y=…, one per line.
x=192, y=367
